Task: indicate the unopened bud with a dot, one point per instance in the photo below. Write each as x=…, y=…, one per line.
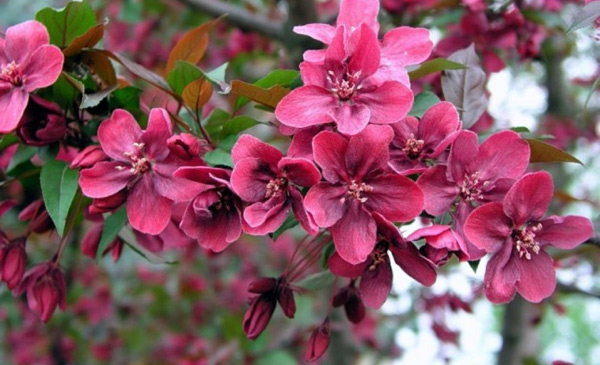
x=318, y=342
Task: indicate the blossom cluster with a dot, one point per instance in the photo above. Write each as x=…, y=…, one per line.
x=359, y=169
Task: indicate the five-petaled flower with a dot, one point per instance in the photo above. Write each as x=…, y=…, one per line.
x=27, y=63
x=263, y=177
x=516, y=233
x=357, y=185
x=141, y=162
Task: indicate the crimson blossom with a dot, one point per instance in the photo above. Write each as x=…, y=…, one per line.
x=265, y=178
x=358, y=185
x=27, y=63
x=516, y=233
x=142, y=163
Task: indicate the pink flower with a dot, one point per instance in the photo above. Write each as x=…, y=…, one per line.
x=516, y=233
x=417, y=143
x=141, y=162
x=376, y=272
x=27, y=63
x=318, y=342
x=475, y=174
x=349, y=297
x=357, y=186
x=342, y=90
x=43, y=122
x=13, y=260
x=401, y=47
x=263, y=177
x=441, y=243
x=213, y=216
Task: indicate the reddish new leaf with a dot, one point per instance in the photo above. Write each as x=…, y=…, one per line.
x=269, y=97
x=197, y=93
x=192, y=46
x=87, y=40
x=544, y=152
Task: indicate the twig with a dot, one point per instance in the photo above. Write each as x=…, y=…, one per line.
x=239, y=17
x=571, y=289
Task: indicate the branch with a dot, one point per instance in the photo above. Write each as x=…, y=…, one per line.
x=571, y=289
x=239, y=17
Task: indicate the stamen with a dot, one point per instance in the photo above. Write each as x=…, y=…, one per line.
x=276, y=187
x=413, y=147
x=11, y=73
x=345, y=88
x=524, y=240
x=470, y=189
x=355, y=190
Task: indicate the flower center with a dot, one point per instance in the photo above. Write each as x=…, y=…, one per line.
x=413, y=147
x=276, y=187
x=226, y=200
x=345, y=88
x=378, y=256
x=470, y=189
x=11, y=74
x=524, y=240
x=139, y=162
x=355, y=190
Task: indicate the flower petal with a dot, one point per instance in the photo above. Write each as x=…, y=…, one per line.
x=306, y=220
x=266, y=217
x=250, y=177
x=300, y=171
x=367, y=55
x=306, y=106
x=147, y=211
x=564, y=233
x=354, y=235
x=43, y=68
x=353, y=13
x=439, y=192
x=376, y=285
x=368, y=151
x=537, y=279
x=158, y=132
x=12, y=103
x=118, y=134
x=414, y=264
x=326, y=203
x=438, y=122
x=406, y=46
x=248, y=146
x=330, y=151
x=501, y=275
x=464, y=150
x=395, y=197
x=321, y=32
x=104, y=179
x=24, y=39
x=339, y=267
x=388, y=103
x=503, y=155
x=350, y=118
x=488, y=228
x=529, y=198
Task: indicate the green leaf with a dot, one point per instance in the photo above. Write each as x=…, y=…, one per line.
x=284, y=78
x=227, y=143
x=237, y=125
x=66, y=24
x=66, y=90
x=327, y=252
x=278, y=357
x=23, y=154
x=474, y=265
x=126, y=98
x=435, y=65
x=92, y=100
x=289, y=223
x=182, y=75
x=214, y=123
x=218, y=157
x=59, y=185
x=112, y=225
x=545, y=18
x=7, y=141
x=544, y=152
x=317, y=281
x=218, y=77
x=423, y=101
x=520, y=129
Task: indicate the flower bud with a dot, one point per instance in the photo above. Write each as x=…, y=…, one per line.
x=42, y=123
x=46, y=290
x=38, y=217
x=350, y=298
x=285, y=297
x=108, y=204
x=258, y=315
x=89, y=157
x=184, y=146
x=14, y=260
x=90, y=242
x=318, y=342
x=262, y=285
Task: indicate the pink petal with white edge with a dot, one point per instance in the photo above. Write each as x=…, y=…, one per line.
x=321, y=32
x=354, y=235
x=501, y=276
x=564, y=233
x=488, y=228
x=43, y=68
x=147, y=211
x=375, y=285
x=388, y=103
x=368, y=151
x=438, y=191
x=339, y=267
x=395, y=197
x=118, y=134
x=537, y=279
x=405, y=46
x=158, y=132
x=530, y=197
x=306, y=106
x=23, y=39
x=300, y=171
x=330, y=151
x=354, y=12
x=105, y=179
x=12, y=103
x=314, y=73
x=248, y=146
x=326, y=203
